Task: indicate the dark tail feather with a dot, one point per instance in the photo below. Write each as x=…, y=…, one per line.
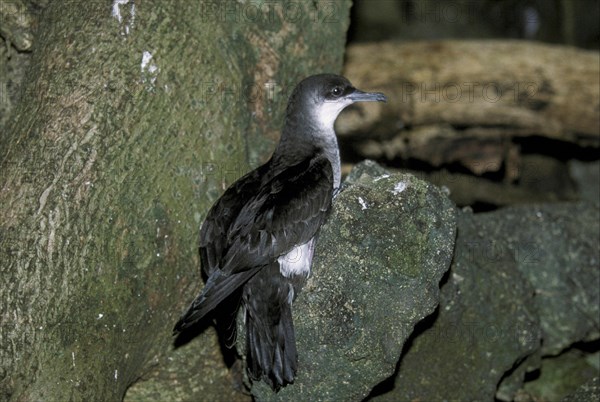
x=225, y=318
x=218, y=287
x=271, y=348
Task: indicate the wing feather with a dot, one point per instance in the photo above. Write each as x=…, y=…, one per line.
x=288, y=211
x=261, y=217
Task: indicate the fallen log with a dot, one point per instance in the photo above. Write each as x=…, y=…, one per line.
x=469, y=102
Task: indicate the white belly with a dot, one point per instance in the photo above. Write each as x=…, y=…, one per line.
x=297, y=261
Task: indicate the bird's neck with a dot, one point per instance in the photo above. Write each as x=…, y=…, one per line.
x=306, y=140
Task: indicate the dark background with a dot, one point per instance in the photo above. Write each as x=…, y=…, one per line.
x=568, y=22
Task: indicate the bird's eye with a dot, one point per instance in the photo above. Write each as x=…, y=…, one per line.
x=337, y=91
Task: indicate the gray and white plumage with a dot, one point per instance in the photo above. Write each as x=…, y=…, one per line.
x=257, y=242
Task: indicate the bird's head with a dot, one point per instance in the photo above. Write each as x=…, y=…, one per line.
x=319, y=99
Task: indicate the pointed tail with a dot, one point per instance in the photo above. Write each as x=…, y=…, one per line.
x=271, y=343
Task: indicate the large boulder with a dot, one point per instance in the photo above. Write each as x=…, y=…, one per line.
x=378, y=264
x=486, y=321
x=523, y=285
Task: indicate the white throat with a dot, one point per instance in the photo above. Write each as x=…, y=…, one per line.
x=328, y=112
x=325, y=117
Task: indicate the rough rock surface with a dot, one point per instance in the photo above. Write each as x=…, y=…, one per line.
x=518, y=274
x=587, y=177
x=588, y=392
x=378, y=265
x=485, y=323
x=556, y=248
x=562, y=375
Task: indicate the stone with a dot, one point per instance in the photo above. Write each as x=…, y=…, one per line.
x=485, y=323
x=378, y=263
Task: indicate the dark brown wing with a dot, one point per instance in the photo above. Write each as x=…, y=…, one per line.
x=256, y=221
x=286, y=212
x=217, y=225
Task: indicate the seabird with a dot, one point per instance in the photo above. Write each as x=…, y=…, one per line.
x=258, y=239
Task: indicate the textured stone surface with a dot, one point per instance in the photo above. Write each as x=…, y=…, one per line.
x=378, y=264
x=518, y=274
x=587, y=177
x=588, y=392
x=365, y=169
x=561, y=376
x=556, y=249
x=485, y=323
x=511, y=385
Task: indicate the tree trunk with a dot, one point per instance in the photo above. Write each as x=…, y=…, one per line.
x=135, y=117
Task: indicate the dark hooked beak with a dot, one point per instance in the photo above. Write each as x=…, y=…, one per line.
x=360, y=96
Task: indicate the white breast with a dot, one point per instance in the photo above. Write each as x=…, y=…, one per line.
x=297, y=261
